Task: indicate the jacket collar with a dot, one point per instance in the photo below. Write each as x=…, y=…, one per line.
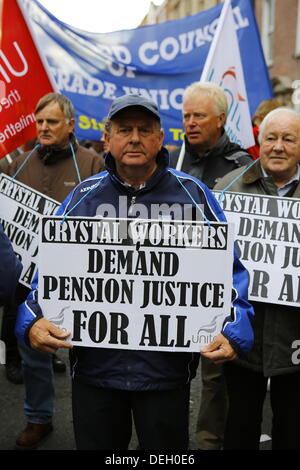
x=162, y=166
x=50, y=154
x=215, y=151
x=253, y=174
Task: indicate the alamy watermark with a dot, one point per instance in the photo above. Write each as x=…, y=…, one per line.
x=296, y=354
x=2, y=352
x=128, y=207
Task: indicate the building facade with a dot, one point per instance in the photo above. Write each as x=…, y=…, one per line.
x=279, y=26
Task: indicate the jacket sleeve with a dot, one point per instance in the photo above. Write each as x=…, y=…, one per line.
x=28, y=313
x=237, y=327
x=10, y=267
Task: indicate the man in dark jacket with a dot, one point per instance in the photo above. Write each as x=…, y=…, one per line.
x=109, y=384
x=208, y=155
x=54, y=167
x=276, y=327
x=10, y=267
x=10, y=270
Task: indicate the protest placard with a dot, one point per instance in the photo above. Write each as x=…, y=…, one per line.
x=136, y=284
x=21, y=208
x=267, y=234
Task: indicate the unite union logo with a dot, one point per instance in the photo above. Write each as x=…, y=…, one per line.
x=208, y=330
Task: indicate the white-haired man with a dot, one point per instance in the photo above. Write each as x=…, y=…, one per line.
x=276, y=327
x=209, y=155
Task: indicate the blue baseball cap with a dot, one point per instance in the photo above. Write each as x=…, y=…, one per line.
x=126, y=101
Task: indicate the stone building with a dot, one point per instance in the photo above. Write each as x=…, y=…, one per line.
x=279, y=26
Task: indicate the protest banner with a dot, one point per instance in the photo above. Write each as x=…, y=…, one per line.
x=23, y=78
x=158, y=61
x=136, y=284
x=21, y=209
x=223, y=66
x=267, y=235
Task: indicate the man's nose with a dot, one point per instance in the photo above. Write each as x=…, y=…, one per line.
x=278, y=145
x=190, y=121
x=135, y=136
x=44, y=125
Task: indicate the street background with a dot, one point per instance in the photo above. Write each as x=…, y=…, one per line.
x=12, y=419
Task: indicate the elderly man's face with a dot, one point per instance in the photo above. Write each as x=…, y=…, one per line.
x=202, y=125
x=53, y=128
x=280, y=146
x=135, y=139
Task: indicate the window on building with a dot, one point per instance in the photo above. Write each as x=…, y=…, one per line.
x=297, y=48
x=188, y=7
x=268, y=27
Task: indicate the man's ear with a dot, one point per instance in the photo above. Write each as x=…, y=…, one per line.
x=106, y=137
x=162, y=135
x=221, y=120
x=72, y=124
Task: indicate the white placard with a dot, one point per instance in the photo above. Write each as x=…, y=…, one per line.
x=267, y=234
x=21, y=208
x=136, y=284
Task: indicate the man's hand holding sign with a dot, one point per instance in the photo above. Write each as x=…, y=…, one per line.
x=45, y=336
x=219, y=350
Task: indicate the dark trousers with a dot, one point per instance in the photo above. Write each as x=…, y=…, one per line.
x=102, y=418
x=213, y=406
x=8, y=323
x=247, y=392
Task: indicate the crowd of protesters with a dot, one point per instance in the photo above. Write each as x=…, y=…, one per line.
x=110, y=386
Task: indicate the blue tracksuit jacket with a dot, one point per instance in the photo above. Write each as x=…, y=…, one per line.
x=145, y=370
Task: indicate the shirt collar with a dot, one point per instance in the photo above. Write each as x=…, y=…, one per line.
x=282, y=190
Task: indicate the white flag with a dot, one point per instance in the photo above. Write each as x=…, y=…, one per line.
x=223, y=66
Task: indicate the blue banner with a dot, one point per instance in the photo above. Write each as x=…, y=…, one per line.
x=159, y=61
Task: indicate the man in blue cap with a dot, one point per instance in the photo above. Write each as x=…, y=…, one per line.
x=110, y=385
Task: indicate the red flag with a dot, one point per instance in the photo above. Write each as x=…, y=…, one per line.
x=23, y=78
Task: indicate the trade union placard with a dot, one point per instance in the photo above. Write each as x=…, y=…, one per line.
x=136, y=284
x=267, y=235
x=21, y=209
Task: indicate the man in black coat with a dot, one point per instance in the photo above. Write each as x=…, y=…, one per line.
x=208, y=155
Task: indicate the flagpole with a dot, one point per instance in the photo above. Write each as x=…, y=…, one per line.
x=181, y=157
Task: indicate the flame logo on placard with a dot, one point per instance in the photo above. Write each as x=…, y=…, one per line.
x=59, y=319
x=209, y=328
